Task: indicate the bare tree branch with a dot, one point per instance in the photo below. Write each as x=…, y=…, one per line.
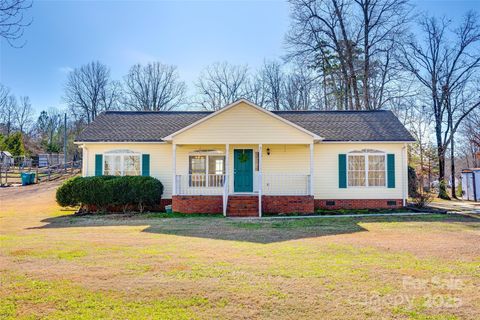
x=153, y=87
x=13, y=21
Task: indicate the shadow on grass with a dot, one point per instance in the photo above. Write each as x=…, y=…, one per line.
x=256, y=231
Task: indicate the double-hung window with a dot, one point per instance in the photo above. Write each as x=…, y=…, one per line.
x=206, y=170
x=122, y=163
x=366, y=169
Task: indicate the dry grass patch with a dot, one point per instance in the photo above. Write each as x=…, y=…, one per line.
x=57, y=266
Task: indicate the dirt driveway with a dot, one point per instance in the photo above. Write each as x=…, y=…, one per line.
x=56, y=266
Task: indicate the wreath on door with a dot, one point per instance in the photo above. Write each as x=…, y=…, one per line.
x=243, y=157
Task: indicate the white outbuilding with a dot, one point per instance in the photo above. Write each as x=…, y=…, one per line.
x=471, y=184
x=6, y=158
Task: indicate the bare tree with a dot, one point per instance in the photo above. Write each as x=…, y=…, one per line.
x=153, y=87
x=314, y=40
x=419, y=124
x=4, y=94
x=48, y=124
x=299, y=91
x=89, y=91
x=8, y=105
x=23, y=114
x=471, y=142
x=12, y=19
x=446, y=64
x=221, y=84
x=256, y=91
x=351, y=44
x=272, y=77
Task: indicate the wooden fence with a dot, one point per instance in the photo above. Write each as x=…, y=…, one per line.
x=10, y=175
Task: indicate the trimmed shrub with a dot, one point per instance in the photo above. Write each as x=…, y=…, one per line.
x=146, y=191
x=66, y=195
x=123, y=192
x=104, y=192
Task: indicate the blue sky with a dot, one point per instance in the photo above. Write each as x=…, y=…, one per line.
x=189, y=34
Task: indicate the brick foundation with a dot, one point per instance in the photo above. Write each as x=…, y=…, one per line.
x=335, y=204
x=161, y=206
x=248, y=205
x=197, y=204
x=287, y=204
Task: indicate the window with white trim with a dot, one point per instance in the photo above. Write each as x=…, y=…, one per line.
x=122, y=163
x=366, y=168
x=206, y=169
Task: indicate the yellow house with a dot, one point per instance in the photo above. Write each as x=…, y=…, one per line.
x=244, y=160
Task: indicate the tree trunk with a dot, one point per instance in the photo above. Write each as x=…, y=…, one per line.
x=352, y=77
x=421, y=169
x=442, y=186
x=452, y=167
x=366, y=66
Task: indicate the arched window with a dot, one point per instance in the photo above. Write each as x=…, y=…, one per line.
x=121, y=163
x=366, y=168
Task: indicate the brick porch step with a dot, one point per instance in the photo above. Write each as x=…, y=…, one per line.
x=242, y=206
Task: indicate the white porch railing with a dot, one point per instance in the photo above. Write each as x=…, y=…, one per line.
x=200, y=184
x=285, y=184
x=218, y=184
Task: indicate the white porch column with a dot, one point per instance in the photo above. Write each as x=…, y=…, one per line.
x=226, y=181
x=174, y=169
x=227, y=165
x=311, y=169
x=260, y=183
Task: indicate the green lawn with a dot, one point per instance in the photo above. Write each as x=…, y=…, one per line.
x=57, y=266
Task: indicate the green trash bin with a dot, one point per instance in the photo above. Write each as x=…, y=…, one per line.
x=25, y=178
x=32, y=177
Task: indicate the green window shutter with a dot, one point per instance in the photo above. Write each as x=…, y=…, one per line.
x=391, y=170
x=98, y=164
x=342, y=170
x=145, y=165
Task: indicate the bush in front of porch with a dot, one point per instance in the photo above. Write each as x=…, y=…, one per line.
x=109, y=193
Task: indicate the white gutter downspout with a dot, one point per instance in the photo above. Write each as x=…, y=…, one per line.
x=404, y=175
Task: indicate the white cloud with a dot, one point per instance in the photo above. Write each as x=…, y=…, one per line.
x=65, y=70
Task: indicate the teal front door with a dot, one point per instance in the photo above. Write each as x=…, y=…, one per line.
x=243, y=170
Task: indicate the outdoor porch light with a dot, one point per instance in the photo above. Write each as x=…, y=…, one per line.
x=268, y=151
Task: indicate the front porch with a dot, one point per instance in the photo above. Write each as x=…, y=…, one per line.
x=245, y=180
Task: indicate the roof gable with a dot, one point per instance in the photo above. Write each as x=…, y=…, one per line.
x=242, y=103
x=242, y=123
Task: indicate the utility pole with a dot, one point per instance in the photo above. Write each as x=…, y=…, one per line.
x=65, y=143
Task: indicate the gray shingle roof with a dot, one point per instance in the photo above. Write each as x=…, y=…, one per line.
x=144, y=126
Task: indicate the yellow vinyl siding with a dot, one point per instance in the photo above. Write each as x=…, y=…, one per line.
x=160, y=159
x=326, y=172
x=242, y=124
x=284, y=159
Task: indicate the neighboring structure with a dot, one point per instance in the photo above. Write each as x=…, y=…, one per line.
x=471, y=184
x=50, y=159
x=245, y=160
x=6, y=159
